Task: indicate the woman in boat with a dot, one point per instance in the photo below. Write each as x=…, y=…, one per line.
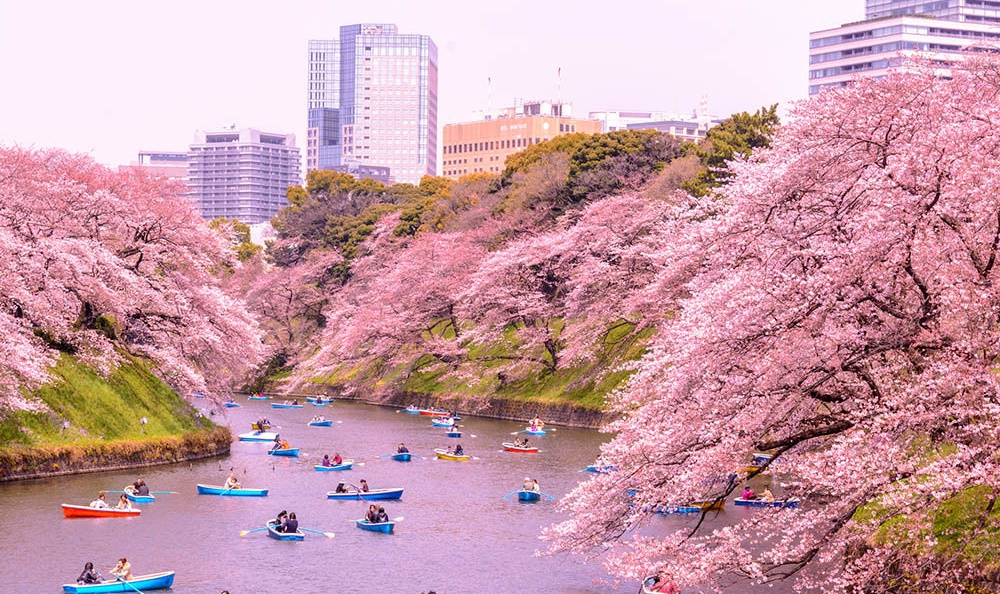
x=402, y=449
x=100, y=502
x=231, y=482
x=337, y=460
x=123, y=502
x=295, y=402
x=89, y=575
x=123, y=570
x=292, y=524
x=664, y=584
x=280, y=520
x=341, y=488
x=364, y=486
x=277, y=441
x=767, y=495
x=372, y=515
x=748, y=493
x=534, y=486
x=140, y=487
x=326, y=460
x=459, y=451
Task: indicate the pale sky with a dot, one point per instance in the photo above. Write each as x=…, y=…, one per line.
x=110, y=78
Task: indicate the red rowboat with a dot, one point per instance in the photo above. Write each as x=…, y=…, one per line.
x=85, y=511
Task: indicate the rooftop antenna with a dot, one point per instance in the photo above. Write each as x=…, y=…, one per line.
x=559, y=90
x=489, y=98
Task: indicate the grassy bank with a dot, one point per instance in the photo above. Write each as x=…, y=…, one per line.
x=89, y=423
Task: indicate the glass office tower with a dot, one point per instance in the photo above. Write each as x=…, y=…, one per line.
x=373, y=101
x=970, y=11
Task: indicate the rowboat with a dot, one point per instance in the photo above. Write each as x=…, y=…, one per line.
x=412, y=410
x=293, y=452
x=326, y=423
x=600, y=469
x=257, y=398
x=402, y=456
x=525, y=495
x=235, y=492
x=520, y=449
x=446, y=455
x=256, y=428
x=132, y=496
x=534, y=430
x=139, y=583
x=281, y=405
x=453, y=434
x=319, y=403
x=231, y=404
x=273, y=533
x=366, y=495
x=675, y=509
x=85, y=511
x=435, y=412
x=710, y=504
x=319, y=400
x=443, y=422
x=345, y=465
x=385, y=527
x=258, y=436
x=650, y=583
x=790, y=502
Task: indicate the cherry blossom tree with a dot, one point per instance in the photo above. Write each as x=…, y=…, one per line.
x=844, y=316
x=94, y=260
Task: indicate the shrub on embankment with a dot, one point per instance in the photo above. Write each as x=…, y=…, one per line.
x=84, y=423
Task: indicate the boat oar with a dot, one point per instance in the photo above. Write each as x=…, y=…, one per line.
x=163, y=492
x=326, y=534
x=245, y=532
x=521, y=431
x=128, y=584
x=509, y=494
x=547, y=495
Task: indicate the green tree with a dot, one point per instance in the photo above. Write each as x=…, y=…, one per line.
x=735, y=137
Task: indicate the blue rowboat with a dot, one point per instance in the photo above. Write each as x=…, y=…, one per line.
x=319, y=403
x=258, y=436
x=286, y=452
x=345, y=465
x=319, y=400
x=258, y=398
x=443, y=422
x=412, y=410
x=236, y=492
x=676, y=509
x=280, y=405
x=402, y=456
x=790, y=502
x=385, y=527
x=130, y=494
x=366, y=496
x=533, y=430
x=326, y=423
x=523, y=495
x=231, y=404
x=601, y=469
x=453, y=434
x=297, y=535
x=152, y=581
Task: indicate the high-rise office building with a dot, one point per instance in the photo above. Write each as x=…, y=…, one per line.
x=373, y=101
x=242, y=174
x=896, y=30
x=482, y=146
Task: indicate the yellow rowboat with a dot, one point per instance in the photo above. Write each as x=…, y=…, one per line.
x=710, y=505
x=446, y=455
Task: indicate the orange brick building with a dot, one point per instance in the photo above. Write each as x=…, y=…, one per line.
x=483, y=146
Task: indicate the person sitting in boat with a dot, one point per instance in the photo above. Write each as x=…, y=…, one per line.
x=231, y=482
x=459, y=451
x=527, y=484
x=767, y=495
x=100, y=502
x=381, y=516
x=326, y=460
x=341, y=488
x=320, y=418
x=534, y=486
x=89, y=575
x=402, y=449
x=520, y=442
x=536, y=422
x=123, y=570
x=372, y=515
x=295, y=402
x=664, y=584
x=291, y=524
x=748, y=493
x=139, y=487
x=123, y=502
x=280, y=520
x=364, y=486
x=337, y=460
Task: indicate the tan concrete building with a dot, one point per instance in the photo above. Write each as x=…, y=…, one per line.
x=483, y=146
